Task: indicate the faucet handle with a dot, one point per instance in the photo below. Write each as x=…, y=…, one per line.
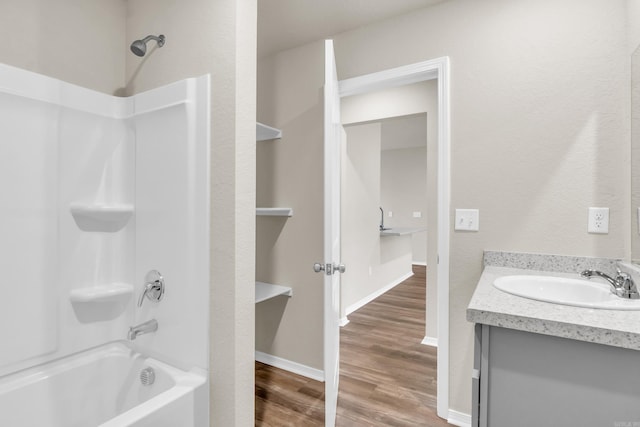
x=153, y=287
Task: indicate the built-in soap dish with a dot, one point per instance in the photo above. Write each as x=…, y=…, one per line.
x=101, y=217
x=102, y=302
x=102, y=293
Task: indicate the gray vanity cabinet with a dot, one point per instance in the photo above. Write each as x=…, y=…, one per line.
x=528, y=379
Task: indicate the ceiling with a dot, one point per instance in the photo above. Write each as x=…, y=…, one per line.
x=284, y=24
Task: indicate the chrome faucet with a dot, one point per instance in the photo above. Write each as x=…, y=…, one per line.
x=143, y=328
x=622, y=286
x=381, y=219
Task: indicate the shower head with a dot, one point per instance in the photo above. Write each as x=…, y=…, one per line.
x=139, y=47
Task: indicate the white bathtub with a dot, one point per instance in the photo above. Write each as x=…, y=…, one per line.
x=102, y=387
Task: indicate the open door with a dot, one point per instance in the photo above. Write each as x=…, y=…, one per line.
x=332, y=267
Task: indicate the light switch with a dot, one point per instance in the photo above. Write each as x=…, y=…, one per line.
x=467, y=219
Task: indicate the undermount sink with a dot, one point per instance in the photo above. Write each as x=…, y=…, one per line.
x=565, y=291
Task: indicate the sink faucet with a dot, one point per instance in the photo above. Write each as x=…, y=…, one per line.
x=143, y=328
x=381, y=219
x=622, y=286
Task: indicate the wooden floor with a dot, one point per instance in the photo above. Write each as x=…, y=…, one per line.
x=387, y=377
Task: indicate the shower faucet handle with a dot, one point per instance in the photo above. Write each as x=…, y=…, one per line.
x=153, y=287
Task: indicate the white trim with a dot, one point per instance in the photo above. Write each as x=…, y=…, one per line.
x=344, y=321
x=405, y=75
x=459, y=419
x=428, y=70
x=288, y=365
x=430, y=341
x=424, y=264
x=366, y=300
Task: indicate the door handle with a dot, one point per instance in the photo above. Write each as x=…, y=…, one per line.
x=329, y=269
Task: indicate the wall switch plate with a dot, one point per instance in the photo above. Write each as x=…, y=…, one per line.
x=598, y=221
x=467, y=219
x=390, y=214
x=417, y=214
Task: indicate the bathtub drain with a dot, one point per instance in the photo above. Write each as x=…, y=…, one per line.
x=147, y=376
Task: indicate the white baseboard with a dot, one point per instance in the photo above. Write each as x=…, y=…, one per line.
x=366, y=300
x=344, y=321
x=288, y=365
x=431, y=341
x=424, y=264
x=459, y=419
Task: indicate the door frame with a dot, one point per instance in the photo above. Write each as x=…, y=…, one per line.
x=439, y=69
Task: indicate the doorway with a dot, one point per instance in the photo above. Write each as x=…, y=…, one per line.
x=437, y=69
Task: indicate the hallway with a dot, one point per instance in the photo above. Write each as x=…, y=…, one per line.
x=387, y=377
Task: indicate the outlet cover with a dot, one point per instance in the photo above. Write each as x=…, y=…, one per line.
x=417, y=214
x=467, y=219
x=598, y=221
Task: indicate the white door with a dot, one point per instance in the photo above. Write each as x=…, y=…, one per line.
x=332, y=133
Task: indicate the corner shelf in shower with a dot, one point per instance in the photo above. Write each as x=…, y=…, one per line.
x=101, y=217
x=112, y=292
x=274, y=211
x=265, y=291
x=265, y=133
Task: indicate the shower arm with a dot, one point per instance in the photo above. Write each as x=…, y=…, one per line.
x=159, y=39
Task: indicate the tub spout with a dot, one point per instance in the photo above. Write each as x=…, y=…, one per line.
x=143, y=328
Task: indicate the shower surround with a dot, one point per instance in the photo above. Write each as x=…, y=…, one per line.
x=96, y=192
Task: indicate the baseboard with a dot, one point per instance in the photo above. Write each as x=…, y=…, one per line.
x=288, y=365
x=430, y=341
x=366, y=300
x=344, y=321
x=424, y=264
x=459, y=419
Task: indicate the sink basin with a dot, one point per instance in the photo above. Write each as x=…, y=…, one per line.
x=560, y=290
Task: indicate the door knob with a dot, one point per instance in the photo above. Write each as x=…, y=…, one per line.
x=328, y=268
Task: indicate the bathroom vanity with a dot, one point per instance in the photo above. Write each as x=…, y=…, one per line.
x=544, y=364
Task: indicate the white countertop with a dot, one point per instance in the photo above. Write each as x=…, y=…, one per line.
x=402, y=231
x=493, y=307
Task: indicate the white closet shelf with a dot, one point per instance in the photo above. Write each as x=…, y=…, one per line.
x=101, y=217
x=265, y=133
x=112, y=292
x=265, y=291
x=274, y=211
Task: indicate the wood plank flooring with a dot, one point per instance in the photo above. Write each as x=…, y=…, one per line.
x=387, y=378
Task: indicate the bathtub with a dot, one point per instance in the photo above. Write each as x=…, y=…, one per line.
x=103, y=387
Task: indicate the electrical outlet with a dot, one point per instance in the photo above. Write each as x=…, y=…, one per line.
x=417, y=214
x=390, y=214
x=598, y=221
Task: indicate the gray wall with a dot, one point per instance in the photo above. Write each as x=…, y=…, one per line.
x=290, y=174
x=373, y=262
x=80, y=42
x=403, y=190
